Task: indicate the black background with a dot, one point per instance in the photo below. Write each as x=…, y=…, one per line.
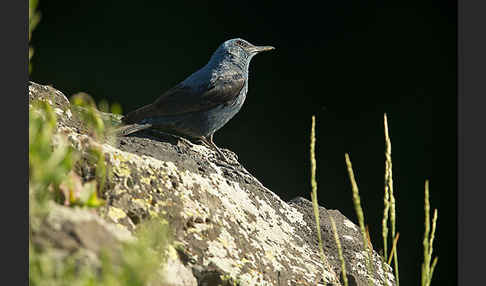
x=346, y=62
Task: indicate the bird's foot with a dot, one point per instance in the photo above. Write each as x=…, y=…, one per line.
x=210, y=144
x=220, y=154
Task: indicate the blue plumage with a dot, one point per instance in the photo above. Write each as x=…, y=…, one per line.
x=206, y=100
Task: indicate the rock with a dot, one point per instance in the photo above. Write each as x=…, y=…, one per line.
x=351, y=242
x=175, y=273
x=229, y=227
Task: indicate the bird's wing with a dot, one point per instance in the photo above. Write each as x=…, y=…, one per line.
x=184, y=99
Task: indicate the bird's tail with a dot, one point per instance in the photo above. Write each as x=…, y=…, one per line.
x=132, y=128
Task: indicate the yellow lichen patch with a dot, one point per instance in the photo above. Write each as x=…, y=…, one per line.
x=118, y=161
x=146, y=180
x=142, y=203
x=116, y=157
x=189, y=213
x=149, y=198
x=153, y=213
x=163, y=204
x=121, y=169
x=116, y=214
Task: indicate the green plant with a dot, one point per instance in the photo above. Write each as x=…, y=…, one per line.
x=360, y=215
x=48, y=166
x=85, y=107
x=136, y=265
x=389, y=217
x=315, y=204
x=34, y=19
x=389, y=205
x=427, y=269
x=101, y=127
x=340, y=251
x=52, y=178
x=51, y=163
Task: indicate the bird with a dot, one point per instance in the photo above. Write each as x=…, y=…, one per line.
x=203, y=102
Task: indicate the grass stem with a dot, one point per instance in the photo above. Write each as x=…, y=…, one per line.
x=360, y=215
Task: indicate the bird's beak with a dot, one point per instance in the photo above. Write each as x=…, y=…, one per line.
x=258, y=49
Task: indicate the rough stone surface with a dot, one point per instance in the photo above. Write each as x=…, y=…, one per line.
x=231, y=228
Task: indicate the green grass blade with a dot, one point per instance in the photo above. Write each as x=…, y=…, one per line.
x=359, y=214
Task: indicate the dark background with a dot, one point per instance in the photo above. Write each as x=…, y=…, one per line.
x=347, y=62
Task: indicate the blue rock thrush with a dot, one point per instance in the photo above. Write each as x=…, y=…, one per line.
x=205, y=101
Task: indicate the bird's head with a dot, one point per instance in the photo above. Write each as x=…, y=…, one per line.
x=240, y=49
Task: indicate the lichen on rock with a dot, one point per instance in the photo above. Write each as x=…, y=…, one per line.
x=227, y=226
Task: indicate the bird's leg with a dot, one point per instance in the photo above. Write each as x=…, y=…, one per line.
x=212, y=145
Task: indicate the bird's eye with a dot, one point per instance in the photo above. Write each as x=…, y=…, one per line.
x=242, y=44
